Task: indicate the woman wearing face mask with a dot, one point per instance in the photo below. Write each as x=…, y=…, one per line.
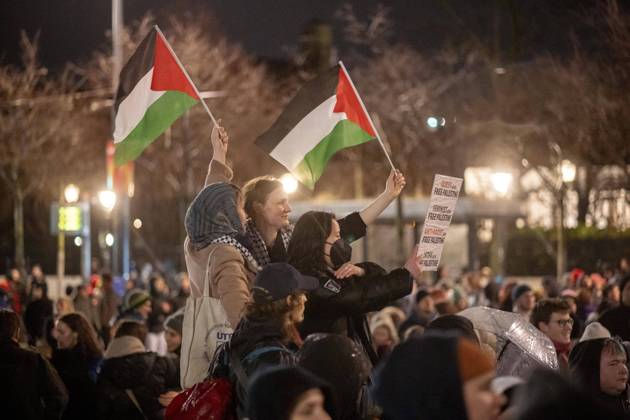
x=347, y=291
x=267, y=207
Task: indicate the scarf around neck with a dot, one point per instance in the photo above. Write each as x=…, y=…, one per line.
x=259, y=248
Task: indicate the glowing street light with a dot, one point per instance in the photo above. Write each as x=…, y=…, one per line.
x=71, y=193
x=432, y=122
x=137, y=223
x=501, y=182
x=78, y=241
x=107, y=198
x=109, y=240
x=289, y=183
x=568, y=169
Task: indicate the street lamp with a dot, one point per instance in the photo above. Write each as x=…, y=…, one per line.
x=567, y=169
x=501, y=182
x=289, y=183
x=71, y=193
x=107, y=198
x=109, y=240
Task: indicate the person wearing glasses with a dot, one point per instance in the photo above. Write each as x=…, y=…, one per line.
x=552, y=317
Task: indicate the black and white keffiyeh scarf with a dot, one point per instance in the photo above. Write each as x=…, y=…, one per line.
x=247, y=255
x=259, y=248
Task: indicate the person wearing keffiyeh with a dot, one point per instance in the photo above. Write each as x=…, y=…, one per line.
x=268, y=226
x=216, y=242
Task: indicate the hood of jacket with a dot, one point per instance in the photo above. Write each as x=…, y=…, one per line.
x=421, y=380
x=129, y=371
x=339, y=361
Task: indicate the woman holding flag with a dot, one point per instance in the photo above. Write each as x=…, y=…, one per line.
x=267, y=207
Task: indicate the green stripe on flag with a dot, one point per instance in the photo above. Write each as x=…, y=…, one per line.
x=159, y=116
x=345, y=134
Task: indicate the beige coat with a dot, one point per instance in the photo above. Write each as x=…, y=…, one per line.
x=231, y=277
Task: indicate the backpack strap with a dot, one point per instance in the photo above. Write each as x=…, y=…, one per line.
x=237, y=366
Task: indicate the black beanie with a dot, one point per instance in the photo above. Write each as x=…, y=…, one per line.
x=274, y=393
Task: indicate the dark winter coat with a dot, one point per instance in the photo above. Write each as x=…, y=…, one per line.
x=548, y=395
x=421, y=380
x=339, y=306
x=78, y=373
x=250, y=336
x=146, y=374
x=29, y=386
x=340, y=362
x=617, y=320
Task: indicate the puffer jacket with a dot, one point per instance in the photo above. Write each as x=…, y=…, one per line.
x=339, y=306
x=146, y=374
x=256, y=344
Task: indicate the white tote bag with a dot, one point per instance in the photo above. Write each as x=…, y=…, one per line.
x=205, y=327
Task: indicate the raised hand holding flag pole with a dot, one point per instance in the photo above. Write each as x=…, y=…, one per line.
x=325, y=116
x=154, y=90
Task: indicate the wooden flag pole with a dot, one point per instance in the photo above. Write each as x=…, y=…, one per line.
x=179, y=63
x=378, y=137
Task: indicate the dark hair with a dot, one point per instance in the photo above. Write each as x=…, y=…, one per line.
x=9, y=324
x=545, y=307
x=107, y=278
x=132, y=328
x=614, y=346
x=306, y=248
x=86, y=336
x=257, y=190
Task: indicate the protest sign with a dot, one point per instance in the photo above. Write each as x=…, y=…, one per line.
x=444, y=196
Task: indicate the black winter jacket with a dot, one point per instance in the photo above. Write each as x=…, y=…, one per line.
x=256, y=344
x=77, y=371
x=339, y=306
x=146, y=374
x=29, y=386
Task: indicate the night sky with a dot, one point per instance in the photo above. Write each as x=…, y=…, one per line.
x=70, y=29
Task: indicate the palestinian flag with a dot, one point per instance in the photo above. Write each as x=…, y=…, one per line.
x=153, y=92
x=325, y=116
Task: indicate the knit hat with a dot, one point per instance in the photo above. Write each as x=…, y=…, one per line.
x=473, y=362
x=569, y=293
x=134, y=299
x=175, y=321
x=519, y=290
x=275, y=391
x=593, y=331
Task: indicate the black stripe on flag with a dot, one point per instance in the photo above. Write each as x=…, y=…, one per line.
x=136, y=68
x=312, y=94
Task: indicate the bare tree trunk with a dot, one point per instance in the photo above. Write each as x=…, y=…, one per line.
x=584, y=190
x=18, y=227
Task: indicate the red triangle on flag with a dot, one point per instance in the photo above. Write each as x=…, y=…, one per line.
x=167, y=74
x=348, y=102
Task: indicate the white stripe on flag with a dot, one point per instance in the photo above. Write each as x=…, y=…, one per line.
x=307, y=134
x=131, y=111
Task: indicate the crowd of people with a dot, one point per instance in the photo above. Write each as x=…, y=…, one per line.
x=274, y=321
